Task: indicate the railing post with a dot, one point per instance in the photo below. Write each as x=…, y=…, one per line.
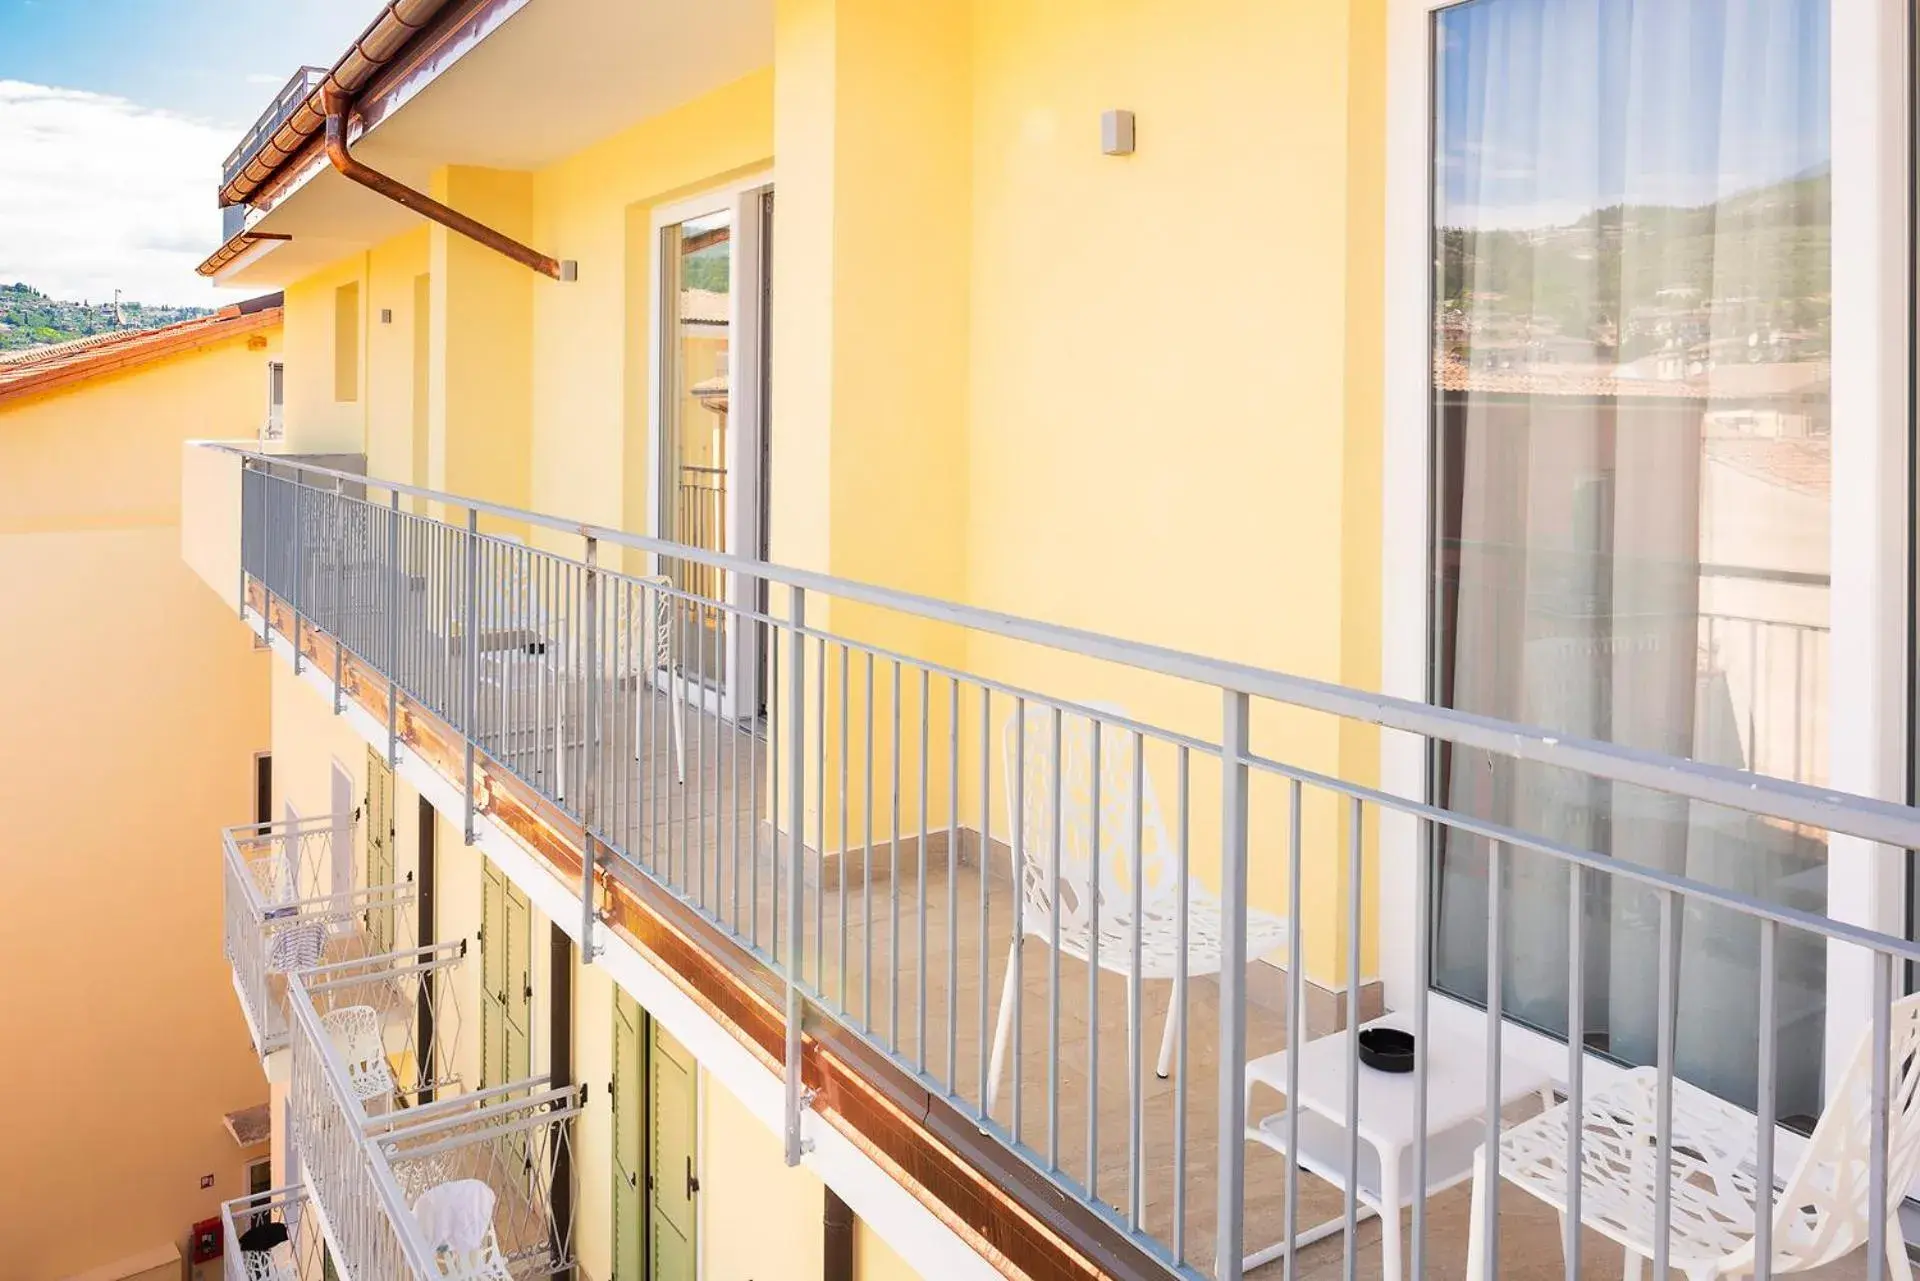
x=337, y=589
x=470, y=657
x=393, y=631
x=248, y=512
x=590, y=792
x=265, y=489
x=1233, y=984
x=298, y=557
x=796, y=718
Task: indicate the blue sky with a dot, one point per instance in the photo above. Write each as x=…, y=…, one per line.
x=1549, y=108
x=114, y=118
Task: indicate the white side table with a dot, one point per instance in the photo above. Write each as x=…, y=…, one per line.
x=1456, y=1110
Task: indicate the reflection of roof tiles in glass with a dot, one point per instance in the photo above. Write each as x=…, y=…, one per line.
x=1803, y=464
x=1729, y=382
x=703, y=307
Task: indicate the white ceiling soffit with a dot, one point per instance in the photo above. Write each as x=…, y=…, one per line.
x=557, y=76
x=562, y=74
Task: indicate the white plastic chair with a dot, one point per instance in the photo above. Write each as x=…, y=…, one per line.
x=355, y=1033
x=270, y=1265
x=1819, y=1214
x=456, y=1218
x=273, y=879
x=648, y=655
x=1078, y=888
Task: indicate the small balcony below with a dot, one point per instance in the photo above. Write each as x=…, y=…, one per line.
x=403, y=1150
x=273, y=1236
x=297, y=901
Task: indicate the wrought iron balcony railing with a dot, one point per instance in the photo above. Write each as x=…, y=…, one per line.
x=1008, y=890
x=399, y=1145
x=295, y=900
x=273, y=1236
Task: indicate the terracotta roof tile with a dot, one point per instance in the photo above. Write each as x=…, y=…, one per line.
x=42, y=369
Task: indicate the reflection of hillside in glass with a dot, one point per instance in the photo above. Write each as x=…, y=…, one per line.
x=1631, y=440
x=1743, y=280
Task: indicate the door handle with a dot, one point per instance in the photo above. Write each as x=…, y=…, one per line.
x=693, y=1184
x=633, y=1180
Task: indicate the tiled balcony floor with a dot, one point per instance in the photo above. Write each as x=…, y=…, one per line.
x=726, y=850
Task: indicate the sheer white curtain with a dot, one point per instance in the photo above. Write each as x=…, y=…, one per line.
x=1630, y=433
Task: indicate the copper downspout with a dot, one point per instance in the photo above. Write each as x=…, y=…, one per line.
x=836, y=1240
x=384, y=39
x=338, y=104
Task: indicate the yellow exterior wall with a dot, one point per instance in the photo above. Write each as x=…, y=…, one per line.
x=592, y=338
x=744, y=1179
x=871, y=340
x=380, y=421
x=392, y=364
x=133, y=707
x=874, y=1259
x=317, y=423
x=479, y=408
x=1139, y=395
x=1175, y=363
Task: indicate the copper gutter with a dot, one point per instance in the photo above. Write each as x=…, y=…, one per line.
x=234, y=248
x=383, y=40
x=342, y=159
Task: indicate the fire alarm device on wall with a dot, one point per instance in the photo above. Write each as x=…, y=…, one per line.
x=206, y=1244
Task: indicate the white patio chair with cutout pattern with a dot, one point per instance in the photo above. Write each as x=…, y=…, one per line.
x=1079, y=887
x=270, y=1265
x=1820, y=1210
x=647, y=657
x=456, y=1218
x=356, y=1035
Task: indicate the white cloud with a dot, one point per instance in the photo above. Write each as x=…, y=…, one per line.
x=102, y=193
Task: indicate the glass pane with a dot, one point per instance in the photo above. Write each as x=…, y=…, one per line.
x=698, y=255
x=1632, y=461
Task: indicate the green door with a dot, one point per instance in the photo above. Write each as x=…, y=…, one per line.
x=629, y=1148
x=506, y=1006
x=671, y=1218
x=379, y=920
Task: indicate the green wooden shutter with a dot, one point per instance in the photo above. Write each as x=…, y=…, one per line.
x=379, y=817
x=672, y=1113
x=629, y=1178
x=493, y=967
x=517, y=1052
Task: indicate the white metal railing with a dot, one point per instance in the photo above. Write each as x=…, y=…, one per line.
x=1137, y=849
x=272, y=1236
x=293, y=901
x=382, y=1116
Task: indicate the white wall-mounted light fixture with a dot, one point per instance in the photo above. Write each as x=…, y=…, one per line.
x=1116, y=132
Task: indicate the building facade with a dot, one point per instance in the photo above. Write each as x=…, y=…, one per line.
x=875, y=604
x=90, y=439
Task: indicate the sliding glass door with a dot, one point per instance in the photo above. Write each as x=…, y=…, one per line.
x=1631, y=488
x=710, y=433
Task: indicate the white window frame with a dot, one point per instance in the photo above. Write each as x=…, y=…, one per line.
x=1872, y=328
x=275, y=427
x=739, y=691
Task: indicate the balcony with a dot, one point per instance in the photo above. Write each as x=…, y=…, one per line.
x=946, y=870
x=296, y=901
x=273, y=1236
x=292, y=95
x=399, y=1142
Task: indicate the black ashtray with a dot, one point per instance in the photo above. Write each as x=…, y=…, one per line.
x=1386, y=1049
